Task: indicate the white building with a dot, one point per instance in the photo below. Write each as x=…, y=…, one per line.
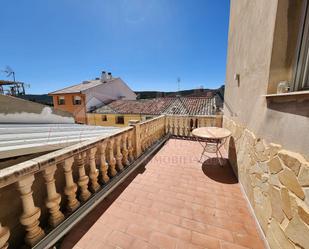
x=91, y=94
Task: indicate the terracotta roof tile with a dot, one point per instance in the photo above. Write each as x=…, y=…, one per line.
x=168, y=105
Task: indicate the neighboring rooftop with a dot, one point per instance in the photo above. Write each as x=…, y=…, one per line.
x=168, y=105
x=143, y=106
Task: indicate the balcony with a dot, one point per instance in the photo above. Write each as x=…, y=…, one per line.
x=136, y=188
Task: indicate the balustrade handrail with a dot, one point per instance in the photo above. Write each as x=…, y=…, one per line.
x=13, y=173
x=193, y=116
x=151, y=120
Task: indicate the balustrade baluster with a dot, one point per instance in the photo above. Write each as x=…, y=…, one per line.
x=103, y=163
x=118, y=154
x=53, y=198
x=185, y=126
x=83, y=178
x=93, y=173
x=171, y=125
x=151, y=134
x=125, y=151
x=147, y=133
x=4, y=237
x=166, y=123
x=130, y=147
x=180, y=124
x=157, y=131
x=176, y=126
x=71, y=187
x=112, y=160
x=209, y=122
x=145, y=140
x=203, y=122
x=31, y=214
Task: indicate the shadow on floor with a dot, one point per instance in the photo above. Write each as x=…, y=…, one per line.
x=224, y=174
x=85, y=224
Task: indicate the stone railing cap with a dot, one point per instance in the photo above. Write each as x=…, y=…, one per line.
x=14, y=173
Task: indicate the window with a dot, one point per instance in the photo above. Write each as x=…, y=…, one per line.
x=301, y=79
x=61, y=100
x=77, y=100
x=104, y=118
x=119, y=120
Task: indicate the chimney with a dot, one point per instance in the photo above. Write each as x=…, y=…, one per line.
x=109, y=75
x=103, y=75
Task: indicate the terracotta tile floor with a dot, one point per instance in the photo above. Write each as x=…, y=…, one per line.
x=176, y=202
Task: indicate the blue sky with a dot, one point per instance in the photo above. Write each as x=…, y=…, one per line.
x=148, y=43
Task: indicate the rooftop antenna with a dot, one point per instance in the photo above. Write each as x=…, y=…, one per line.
x=178, y=83
x=9, y=71
x=13, y=87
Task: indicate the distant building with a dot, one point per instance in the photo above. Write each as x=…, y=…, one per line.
x=120, y=112
x=89, y=95
x=13, y=88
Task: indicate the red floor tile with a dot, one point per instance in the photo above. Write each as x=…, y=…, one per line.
x=175, y=202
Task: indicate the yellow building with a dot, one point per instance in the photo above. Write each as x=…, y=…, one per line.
x=112, y=119
x=118, y=113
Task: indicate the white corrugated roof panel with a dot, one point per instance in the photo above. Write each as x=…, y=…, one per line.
x=24, y=139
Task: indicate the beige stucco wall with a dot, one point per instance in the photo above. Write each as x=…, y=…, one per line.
x=269, y=147
x=96, y=119
x=261, y=61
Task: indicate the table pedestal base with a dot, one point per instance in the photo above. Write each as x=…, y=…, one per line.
x=211, y=146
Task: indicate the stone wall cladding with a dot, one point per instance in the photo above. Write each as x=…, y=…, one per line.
x=276, y=182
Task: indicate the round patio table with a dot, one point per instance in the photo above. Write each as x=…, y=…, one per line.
x=211, y=139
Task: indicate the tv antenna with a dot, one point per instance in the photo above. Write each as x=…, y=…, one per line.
x=178, y=83
x=9, y=71
x=10, y=87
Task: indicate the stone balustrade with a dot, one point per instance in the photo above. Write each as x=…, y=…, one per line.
x=151, y=131
x=183, y=125
x=51, y=187
x=38, y=194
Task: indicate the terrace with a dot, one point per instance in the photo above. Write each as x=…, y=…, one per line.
x=172, y=202
x=103, y=192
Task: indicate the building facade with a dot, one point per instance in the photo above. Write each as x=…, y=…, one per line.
x=269, y=151
x=89, y=95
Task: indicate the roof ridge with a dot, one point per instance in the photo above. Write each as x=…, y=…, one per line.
x=79, y=84
x=64, y=88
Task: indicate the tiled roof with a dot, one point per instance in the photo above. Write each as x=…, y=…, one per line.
x=169, y=105
x=192, y=106
x=145, y=106
x=82, y=86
